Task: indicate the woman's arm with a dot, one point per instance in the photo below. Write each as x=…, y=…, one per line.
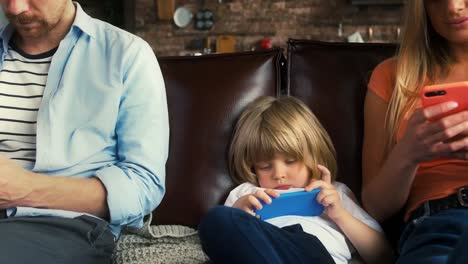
x=383, y=178
x=391, y=175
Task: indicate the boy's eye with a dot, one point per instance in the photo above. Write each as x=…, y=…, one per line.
x=290, y=161
x=263, y=166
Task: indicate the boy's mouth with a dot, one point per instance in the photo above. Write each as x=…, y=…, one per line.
x=283, y=187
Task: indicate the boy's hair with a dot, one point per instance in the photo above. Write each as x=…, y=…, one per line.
x=284, y=125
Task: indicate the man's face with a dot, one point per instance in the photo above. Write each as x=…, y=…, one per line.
x=34, y=18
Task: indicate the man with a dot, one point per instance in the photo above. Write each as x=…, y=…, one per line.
x=83, y=133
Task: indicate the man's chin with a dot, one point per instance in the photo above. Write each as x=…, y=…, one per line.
x=30, y=32
x=31, y=29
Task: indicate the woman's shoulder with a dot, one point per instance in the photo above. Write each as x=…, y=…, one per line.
x=382, y=79
x=387, y=64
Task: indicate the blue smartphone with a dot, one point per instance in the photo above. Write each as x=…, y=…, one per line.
x=300, y=203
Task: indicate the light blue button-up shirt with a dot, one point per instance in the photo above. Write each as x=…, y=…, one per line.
x=103, y=114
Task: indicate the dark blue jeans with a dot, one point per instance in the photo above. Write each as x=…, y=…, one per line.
x=438, y=239
x=230, y=235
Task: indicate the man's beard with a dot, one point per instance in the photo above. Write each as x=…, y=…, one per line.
x=21, y=20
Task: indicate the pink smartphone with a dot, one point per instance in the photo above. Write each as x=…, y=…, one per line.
x=436, y=94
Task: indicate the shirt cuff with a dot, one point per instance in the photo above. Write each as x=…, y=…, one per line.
x=122, y=197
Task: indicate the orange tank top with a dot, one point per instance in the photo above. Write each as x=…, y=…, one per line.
x=434, y=179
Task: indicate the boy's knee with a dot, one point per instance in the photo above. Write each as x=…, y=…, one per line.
x=218, y=216
x=220, y=220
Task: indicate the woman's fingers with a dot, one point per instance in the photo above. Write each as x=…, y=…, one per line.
x=448, y=127
x=427, y=140
x=438, y=109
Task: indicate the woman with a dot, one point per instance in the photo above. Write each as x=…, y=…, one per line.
x=421, y=165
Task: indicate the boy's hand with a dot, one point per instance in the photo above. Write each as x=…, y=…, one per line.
x=251, y=202
x=328, y=196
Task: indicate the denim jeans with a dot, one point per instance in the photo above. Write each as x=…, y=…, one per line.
x=230, y=235
x=436, y=239
x=55, y=240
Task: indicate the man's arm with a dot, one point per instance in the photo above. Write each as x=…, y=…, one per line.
x=86, y=195
x=132, y=185
x=22, y=188
x=136, y=183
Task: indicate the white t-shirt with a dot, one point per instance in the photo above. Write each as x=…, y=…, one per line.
x=322, y=227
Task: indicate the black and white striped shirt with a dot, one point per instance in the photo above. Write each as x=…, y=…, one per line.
x=22, y=82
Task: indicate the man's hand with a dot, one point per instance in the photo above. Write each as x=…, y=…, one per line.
x=15, y=183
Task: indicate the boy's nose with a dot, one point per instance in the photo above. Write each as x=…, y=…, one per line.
x=278, y=173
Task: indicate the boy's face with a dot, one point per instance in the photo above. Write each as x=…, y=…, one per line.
x=282, y=172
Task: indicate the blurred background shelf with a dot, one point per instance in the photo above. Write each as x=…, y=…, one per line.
x=120, y=13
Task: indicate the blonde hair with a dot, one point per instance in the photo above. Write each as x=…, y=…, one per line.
x=284, y=125
x=423, y=58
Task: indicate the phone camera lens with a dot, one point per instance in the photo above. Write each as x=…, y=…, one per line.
x=435, y=93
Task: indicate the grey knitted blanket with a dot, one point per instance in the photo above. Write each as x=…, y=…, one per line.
x=159, y=244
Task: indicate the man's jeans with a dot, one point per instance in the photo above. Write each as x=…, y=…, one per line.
x=54, y=240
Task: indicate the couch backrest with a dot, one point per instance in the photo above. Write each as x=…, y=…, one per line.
x=331, y=78
x=205, y=96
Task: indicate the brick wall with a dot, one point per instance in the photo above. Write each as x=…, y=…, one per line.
x=249, y=21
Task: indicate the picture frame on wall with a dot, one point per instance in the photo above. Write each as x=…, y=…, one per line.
x=377, y=2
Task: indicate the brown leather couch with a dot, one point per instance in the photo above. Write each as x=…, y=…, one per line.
x=207, y=93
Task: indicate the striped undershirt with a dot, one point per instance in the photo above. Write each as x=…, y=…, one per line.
x=22, y=82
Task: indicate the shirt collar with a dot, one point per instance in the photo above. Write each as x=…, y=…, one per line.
x=83, y=21
x=5, y=35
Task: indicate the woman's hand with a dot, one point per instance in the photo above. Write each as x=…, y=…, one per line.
x=251, y=202
x=425, y=140
x=457, y=131
x=328, y=196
